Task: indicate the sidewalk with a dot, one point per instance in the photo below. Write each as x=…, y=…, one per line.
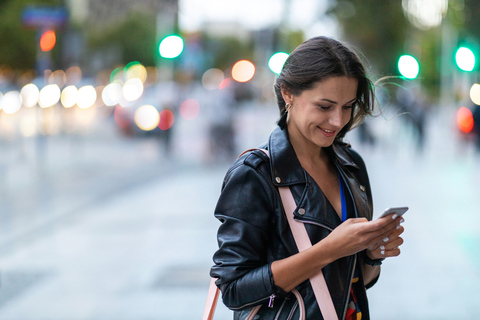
x=144, y=252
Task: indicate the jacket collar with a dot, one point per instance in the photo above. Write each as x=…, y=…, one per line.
x=286, y=168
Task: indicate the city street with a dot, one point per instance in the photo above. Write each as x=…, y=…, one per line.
x=139, y=245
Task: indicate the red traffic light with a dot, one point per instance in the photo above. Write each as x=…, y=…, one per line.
x=48, y=40
x=465, y=120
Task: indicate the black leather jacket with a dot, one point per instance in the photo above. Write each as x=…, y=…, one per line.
x=254, y=230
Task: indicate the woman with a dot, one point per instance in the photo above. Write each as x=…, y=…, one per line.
x=322, y=93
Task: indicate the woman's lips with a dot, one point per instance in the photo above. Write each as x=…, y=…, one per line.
x=327, y=133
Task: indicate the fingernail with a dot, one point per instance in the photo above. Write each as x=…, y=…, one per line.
x=382, y=247
x=382, y=252
x=402, y=220
x=398, y=227
x=385, y=239
x=394, y=216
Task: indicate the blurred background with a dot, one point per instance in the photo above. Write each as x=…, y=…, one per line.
x=119, y=119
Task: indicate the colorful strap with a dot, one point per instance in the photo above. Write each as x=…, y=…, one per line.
x=342, y=195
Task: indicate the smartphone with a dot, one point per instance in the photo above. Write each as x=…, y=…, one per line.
x=399, y=211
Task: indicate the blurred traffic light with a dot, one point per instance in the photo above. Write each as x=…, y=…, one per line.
x=48, y=40
x=171, y=47
x=276, y=62
x=465, y=119
x=465, y=59
x=408, y=66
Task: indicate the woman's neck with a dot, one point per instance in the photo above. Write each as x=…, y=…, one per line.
x=309, y=154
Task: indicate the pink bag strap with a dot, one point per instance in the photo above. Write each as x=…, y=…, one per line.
x=212, y=299
x=303, y=242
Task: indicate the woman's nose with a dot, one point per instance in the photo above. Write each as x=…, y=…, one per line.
x=336, y=117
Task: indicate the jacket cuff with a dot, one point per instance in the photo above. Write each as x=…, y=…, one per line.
x=279, y=292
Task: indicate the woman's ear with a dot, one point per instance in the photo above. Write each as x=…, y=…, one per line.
x=287, y=96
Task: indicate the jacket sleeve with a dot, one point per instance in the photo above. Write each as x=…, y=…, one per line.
x=245, y=209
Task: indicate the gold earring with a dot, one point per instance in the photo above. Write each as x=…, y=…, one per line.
x=287, y=107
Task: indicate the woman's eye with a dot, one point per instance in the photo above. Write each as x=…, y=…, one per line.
x=323, y=107
x=348, y=107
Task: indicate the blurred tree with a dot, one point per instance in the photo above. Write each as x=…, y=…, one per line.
x=382, y=32
x=223, y=52
x=19, y=44
x=471, y=13
x=377, y=28
x=135, y=37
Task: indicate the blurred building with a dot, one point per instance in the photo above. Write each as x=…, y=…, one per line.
x=107, y=12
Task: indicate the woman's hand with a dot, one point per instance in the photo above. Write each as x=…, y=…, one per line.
x=357, y=234
x=389, y=246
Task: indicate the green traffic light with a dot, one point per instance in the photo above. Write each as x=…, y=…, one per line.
x=171, y=47
x=408, y=66
x=465, y=59
x=277, y=61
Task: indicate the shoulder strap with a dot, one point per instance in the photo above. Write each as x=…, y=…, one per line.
x=302, y=240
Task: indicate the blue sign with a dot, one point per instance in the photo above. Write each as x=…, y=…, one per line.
x=44, y=17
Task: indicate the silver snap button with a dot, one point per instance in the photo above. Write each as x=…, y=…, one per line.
x=362, y=188
x=301, y=211
x=278, y=179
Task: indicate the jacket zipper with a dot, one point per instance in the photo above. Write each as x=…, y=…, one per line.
x=270, y=302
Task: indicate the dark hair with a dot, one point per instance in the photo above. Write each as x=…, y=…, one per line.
x=316, y=60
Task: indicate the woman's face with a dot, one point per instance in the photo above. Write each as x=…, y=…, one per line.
x=317, y=115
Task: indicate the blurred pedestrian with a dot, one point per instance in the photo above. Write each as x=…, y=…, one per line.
x=414, y=106
x=322, y=93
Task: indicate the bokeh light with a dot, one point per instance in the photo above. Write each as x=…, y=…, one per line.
x=73, y=75
x=121, y=117
x=86, y=97
x=425, y=14
x=69, y=96
x=166, y=119
x=117, y=74
x=147, y=117
x=465, y=59
x=212, y=78
x=171, y=47
x=58, y=77
x=243, y=71
x=225, y=83
x=465, y=119
x=408, y=66
x=11, y=102
x=189, y=109
x=277, y=61
x=30, y=94
x=133, y=89
x=49, y=96
x=135, y=70
x=112, y=94
x=475, y=93
x=48, y=40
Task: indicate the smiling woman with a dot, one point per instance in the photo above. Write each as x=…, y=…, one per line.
x=322, y=92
